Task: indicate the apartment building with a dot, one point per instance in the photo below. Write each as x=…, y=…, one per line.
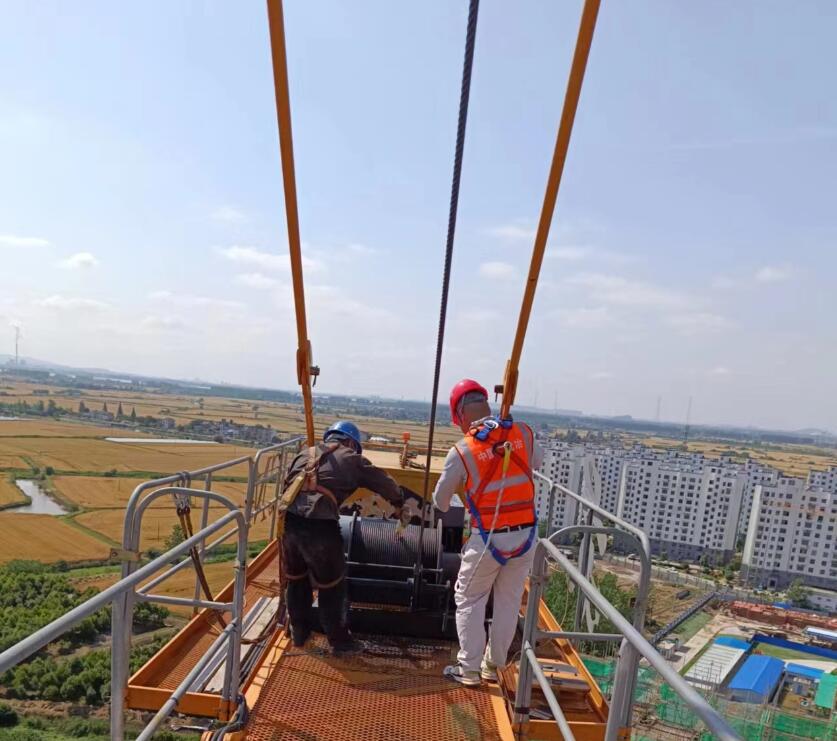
x=791, y=533
x=563, y=464
x=695, y=508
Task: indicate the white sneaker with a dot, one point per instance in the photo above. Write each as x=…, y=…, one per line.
x=488, y=672
x=458, y=674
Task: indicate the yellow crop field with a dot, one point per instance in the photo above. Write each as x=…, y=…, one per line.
x=75, y=454
x=157, y=525
x=58, y=428
x=182, y=584
x=183, y=408
x=45, y=538
x=100, y=492
x=9, y=493
x=794, y=460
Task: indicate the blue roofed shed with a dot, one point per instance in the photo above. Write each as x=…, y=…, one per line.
x=800, y=670
x=733, y=642
x=756, y=680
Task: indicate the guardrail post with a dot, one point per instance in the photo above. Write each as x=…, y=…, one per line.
x=550, y=516
x=277, y=492
x=232, y=672
x=523, y=695
x=119, y=659
x=585, y=566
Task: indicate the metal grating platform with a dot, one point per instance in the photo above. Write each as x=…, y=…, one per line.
x=393, y=691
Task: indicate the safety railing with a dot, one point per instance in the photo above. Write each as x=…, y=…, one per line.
x=264, y=476
x=632, y=644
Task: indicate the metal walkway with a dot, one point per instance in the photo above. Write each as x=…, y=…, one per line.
x=394, y=690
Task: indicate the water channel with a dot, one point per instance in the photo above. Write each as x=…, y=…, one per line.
x=41, y=504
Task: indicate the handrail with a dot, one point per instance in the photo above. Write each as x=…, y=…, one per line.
x=40, y=638
x=601, y=511
x=169, y=705
x=551, y=700
x=632, y=637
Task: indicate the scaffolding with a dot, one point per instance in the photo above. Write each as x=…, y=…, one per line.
x=660, y=714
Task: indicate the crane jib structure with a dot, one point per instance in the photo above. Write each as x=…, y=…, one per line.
x=307, y=372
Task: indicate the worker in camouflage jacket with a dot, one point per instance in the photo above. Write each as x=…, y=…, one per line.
x=312, y=547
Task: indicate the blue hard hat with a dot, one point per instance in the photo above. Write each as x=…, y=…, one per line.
x=343, y=429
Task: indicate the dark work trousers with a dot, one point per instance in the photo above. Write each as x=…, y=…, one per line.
x=312, y=551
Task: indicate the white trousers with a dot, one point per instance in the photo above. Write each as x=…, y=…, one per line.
x=476, y=580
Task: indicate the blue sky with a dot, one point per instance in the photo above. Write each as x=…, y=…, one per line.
x=693, y=249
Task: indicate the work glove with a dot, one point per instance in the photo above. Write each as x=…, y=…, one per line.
x=411, y=508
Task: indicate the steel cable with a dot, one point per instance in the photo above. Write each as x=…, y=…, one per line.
x=464, y=97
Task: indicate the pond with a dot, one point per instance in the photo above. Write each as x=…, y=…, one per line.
x=41, y=504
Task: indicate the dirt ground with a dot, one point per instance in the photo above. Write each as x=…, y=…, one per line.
x=663, y=604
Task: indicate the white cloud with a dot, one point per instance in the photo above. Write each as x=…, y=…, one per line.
x=229, y=214
x=601, y=375
x=719, y=370
x=498, y=270
x=614, y=289
x=64, y=303
x=512, y=232
x=13, y=240
x=190, y=301
x=80, y=261
x=267, y=260
x=256, y=280
x=697, y=322
x=773, y=274
x=162, y=324
x=584, y=318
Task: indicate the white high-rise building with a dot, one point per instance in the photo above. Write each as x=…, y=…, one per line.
x=562, y=465
x=791, y=533
x=693, y=507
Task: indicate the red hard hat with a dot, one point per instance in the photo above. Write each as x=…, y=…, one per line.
x=466, y=385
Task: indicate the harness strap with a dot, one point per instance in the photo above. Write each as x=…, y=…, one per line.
x=296, y=577
x=502, y=557
x=328, y=585
x=184, y=514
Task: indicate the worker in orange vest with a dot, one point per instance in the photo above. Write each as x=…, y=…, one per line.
x=494, y=462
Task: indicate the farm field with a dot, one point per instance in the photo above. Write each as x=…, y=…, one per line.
x=99, y=455
x=9, y=493
x=100, y=492
x=56, y=428
x=157, y=525
x=183, y=408
x=46, y=538
x=794, y=460
x=181, y=584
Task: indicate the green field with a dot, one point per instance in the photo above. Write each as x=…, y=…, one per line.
x=788, y=654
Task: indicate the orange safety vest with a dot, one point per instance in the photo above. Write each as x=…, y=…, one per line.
x=483, y=460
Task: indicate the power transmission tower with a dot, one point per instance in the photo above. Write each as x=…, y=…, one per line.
x=688, y=419
x=659, y=406
x=17, y=346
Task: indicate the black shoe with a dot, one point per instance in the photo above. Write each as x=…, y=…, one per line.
x=346, y=647
x=300, y=635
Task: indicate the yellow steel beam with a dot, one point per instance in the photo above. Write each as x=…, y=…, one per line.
x=304, y=362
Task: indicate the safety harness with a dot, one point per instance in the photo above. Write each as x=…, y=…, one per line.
x=482, y=433
x=306, y=481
